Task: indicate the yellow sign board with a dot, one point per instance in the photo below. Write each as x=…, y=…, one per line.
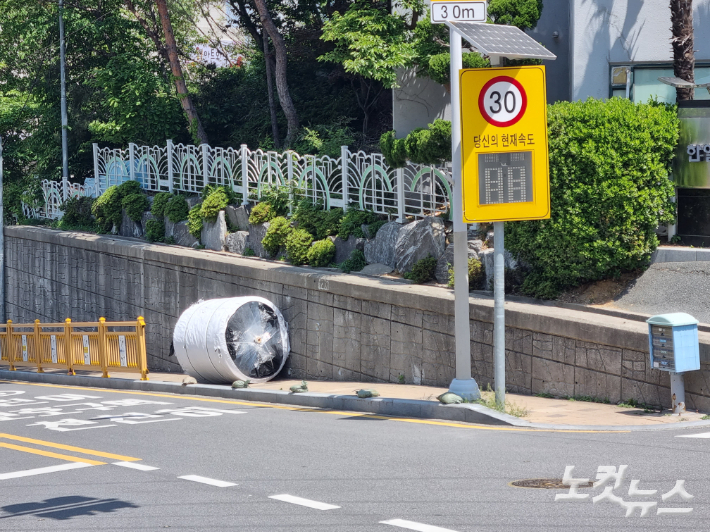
x=504, y=144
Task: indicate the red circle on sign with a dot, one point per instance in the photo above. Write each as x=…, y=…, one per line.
x=484, y=111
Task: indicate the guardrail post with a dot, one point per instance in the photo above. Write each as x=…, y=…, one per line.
x=142, y=358
x=344, y=164
x=289, y=163
x=400, y=195
x=170, y=165
x=38, y=348
x=245, y=175
x=97, y=184
x=131, y=161
x=205, y=165
x=103, y=348
x=10, y=346
x=68, y=355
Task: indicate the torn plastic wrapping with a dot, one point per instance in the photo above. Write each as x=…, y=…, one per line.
x=223, y=340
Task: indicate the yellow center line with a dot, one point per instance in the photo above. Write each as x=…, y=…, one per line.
x=65, y=457
x=302, y=409
x=71, y=448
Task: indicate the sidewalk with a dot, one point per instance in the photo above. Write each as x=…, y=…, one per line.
x=537, y=410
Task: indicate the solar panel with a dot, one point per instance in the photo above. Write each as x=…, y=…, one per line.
x=496, y=39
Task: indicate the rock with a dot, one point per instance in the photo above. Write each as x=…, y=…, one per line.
x=446, y=261
x=381, y=250
x=376, y=269
x=256, y=235
x=486, y=258
x=418, y=240
x=237, y=242
x=147, y=215
x=129, y=227
x=182, y=235
x=366, y=231
x=169, y=228
x=238, y=217
x=343, y=248
x=214, y=233
x=193, y=200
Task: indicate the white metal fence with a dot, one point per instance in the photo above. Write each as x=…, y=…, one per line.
x=353, y=179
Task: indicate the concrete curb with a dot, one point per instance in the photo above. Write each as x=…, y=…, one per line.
x=464, y=413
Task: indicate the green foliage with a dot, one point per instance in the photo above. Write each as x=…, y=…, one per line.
x=262, y=212
x=325, y=139
x=216, y=201
x=422, y=271
x=77, y=212
x=129, y=187
x=160, y=200
x=233, y=198
x=609, y=167
x=424, y=146
x=279, y=197
x=476, y=275
x=248, y=252
x=276, y=234
x=521, y=13
x=352, y=222
x=440, y=65
x=177, y=209
x=135, y=205
x=315, y=220
x=321, y=253
x=297, y=244
x=194, y=221
x=354, y=263
x=374, y=227
x=155, y=230
x=107, y=209
x=393, y=149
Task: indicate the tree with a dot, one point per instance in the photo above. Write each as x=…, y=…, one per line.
x=521, y=13
x=682, y=41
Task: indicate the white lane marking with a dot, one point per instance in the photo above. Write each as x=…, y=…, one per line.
x=134, y=465
x=701, y=435
x=303, y=502
x=43, y=470
x=210, y=481
x=411, y=525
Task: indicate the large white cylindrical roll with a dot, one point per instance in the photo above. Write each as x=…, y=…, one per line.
x=238, y=338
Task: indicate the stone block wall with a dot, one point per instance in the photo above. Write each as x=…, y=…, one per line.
x=342, y=327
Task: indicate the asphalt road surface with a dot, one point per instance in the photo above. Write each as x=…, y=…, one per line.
x=89, y=459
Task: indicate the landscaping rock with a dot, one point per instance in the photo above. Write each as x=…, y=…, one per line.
x=129, y=227
x=366, y=231
x=193, y=200
x=147, y=215
x=446, y=261
x=238, y=217
x=182, y=235
x=214, y=234
x=381, y=249
x=343, y=248
x=376, y=269
x=487, y=260
x=256, y=235
x=418, y=240
x=237, y=242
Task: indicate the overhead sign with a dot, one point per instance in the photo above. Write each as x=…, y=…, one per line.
x=461, y=11
x=505, y=169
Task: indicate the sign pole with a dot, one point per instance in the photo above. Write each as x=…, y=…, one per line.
x=463, y=385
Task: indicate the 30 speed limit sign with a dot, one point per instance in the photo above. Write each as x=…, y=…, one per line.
x=504, y=144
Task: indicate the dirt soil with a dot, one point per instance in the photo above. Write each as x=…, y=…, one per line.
x=600, y=292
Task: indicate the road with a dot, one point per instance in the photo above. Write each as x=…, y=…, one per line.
x=90, y=459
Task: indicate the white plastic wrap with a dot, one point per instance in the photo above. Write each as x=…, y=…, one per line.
x=238, y=338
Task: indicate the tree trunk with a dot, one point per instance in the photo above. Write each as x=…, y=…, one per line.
x=683, y=56
x=185, y=100
x=281, y=79
x=268, y=63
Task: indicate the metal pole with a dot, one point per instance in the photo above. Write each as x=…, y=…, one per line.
x=2, y=244
x=65, y=148
x=677, y=392
x=499, y=311
x=463, y=385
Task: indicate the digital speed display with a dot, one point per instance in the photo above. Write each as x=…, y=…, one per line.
x=505, y=177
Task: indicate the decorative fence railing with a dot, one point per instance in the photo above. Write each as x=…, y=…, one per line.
x=353, y=179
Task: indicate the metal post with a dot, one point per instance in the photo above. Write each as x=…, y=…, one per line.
x=245, y=176
x=344, y=162
x=499, y=311
x=677, y=392
x=63, y=88
x=672, y=227
x=131, y=161
x=97, y=184
x=2, y=243
x=170, y=165
x=205, y=165
x=400, y=195
x=291, y=199
x=463, y=385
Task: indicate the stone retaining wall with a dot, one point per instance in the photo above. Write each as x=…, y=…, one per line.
x=342, y=327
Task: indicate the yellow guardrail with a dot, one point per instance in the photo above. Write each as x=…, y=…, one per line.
x=76, y=345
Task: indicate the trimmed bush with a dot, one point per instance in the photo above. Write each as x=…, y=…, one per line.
x=194, y=221
x=177, y=209
x=423, y=270
x=214, y=203
x=129, y=187
x=440, y=65
x=107, y=209
x=261, y=213
x=297, y=244
x=321, y=253
x=279, y=197
x=424, y=146
x=77, y=212
x=354, y=263
x=476, y=275
x=135, y=205
x=155, y=230
x=276, y=234
x=351, y=222
x=318, y=222
x=160, y=200
x=609, y=167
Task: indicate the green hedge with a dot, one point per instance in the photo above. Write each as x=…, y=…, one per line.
x=424, y=146
x=609, y=167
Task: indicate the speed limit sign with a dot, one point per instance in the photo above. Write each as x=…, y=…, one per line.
x=504, y=144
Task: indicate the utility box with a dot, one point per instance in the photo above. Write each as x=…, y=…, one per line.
x=673, y=342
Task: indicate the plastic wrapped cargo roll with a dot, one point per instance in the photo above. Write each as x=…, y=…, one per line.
x=223, y=340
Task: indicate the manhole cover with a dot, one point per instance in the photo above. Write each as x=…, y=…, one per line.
x=545, y=483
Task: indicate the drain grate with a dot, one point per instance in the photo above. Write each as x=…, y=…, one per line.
x=546, y=484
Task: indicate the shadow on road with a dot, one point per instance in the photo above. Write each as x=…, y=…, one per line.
x=65, y=507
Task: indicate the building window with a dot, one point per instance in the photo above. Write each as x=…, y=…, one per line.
x=642, y=82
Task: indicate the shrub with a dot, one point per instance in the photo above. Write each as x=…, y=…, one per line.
x=214, y=203
x=233, y=198
x=261, y=213
x=160, y=201
x=315, y=220
x=276, y=234
x=194, y=221
x=177, y=209
x=129, y=187
x=107, y=209
x=297, y=244
x=374, y=227
x=354, y=263
x=440, y=65
x=351, y=222
x=135, y=205
x=609, y=167
x=423, y=270
x=476, y=275
x=424, y=146
x=77, y=212
x=155, y=230
x=321, y=253
x=248, y=252
x=279, y=197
